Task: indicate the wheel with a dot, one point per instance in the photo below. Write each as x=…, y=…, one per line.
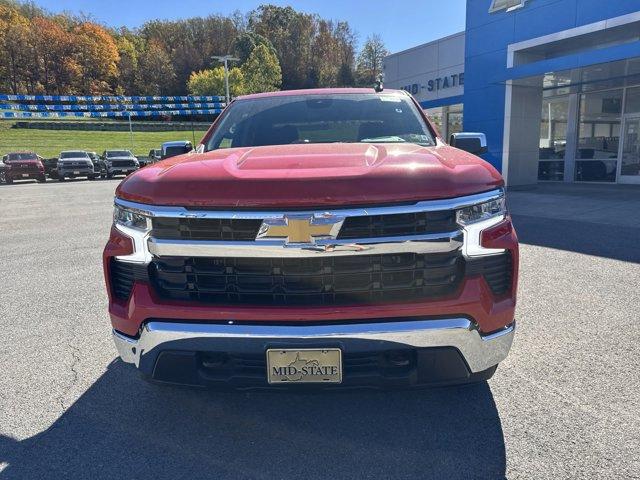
x=41, y=179
x=2, y=177
x=61, y=178
x=91, y=177
x=8, y=180
x=109, y=175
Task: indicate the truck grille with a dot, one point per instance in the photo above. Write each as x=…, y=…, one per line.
x=390, y=225
x=205, y=229
x=398, y=224
x=314, y=281
x=24, y=168
x=123, y=163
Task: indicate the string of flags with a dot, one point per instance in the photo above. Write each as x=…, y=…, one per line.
x=108, y=106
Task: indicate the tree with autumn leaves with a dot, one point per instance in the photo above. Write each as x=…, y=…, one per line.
x=278, y=47
x=52, y=55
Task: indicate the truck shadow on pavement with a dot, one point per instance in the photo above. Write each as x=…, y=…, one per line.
x=123, y=427
x=618, y=242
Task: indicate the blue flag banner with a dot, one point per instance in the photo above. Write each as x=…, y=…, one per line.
x=108, y=98
x=110, y=114
x=110, y=107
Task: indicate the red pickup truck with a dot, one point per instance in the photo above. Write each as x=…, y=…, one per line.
x=318, y=237
x=21, y=166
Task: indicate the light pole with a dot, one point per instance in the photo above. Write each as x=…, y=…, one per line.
x=225, y=59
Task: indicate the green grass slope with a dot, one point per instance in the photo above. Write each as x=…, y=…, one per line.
x=49, y=143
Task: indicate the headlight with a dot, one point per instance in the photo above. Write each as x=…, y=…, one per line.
x=130, y=219
x=482, y=211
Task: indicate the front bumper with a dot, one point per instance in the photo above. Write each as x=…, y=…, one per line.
x=76, y=171
x=173, y=352
x=112, y=170
x=13, y=175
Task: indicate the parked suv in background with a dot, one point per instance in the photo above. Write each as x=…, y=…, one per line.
x=119, y=162
x=155, y=154
x=21, y=166
x=50, y=167
x=326, y=237
x=75, y=163
x=179, y=147
x=99, y=168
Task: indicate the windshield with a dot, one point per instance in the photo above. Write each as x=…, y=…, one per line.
x=12, y=157
x=119, y=153
x=74, y=155
x=330, y=118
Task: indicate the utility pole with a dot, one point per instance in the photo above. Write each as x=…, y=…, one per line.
x=131, y=133
x=225, y=59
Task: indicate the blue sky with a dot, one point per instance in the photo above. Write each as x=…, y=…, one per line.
x=401, y=24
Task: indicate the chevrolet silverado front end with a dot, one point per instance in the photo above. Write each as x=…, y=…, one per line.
x=324, y=237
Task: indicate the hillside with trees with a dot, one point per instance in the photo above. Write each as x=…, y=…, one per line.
x=278, y=48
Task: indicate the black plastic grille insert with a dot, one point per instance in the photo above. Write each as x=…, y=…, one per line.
x=315, y=281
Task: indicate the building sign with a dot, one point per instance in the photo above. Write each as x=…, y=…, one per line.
x=508, y=5
x=436, y=84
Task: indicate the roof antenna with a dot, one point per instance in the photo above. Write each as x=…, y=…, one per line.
x=379, y=86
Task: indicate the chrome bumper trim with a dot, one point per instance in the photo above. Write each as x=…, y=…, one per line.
x=420, y=244
x=480, y=352
x=425, y=206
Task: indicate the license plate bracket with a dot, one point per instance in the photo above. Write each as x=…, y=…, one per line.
x=304, y=365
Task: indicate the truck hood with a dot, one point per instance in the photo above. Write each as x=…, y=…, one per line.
x=311, y=175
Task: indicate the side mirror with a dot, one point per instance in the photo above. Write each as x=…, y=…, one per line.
x=475, y=143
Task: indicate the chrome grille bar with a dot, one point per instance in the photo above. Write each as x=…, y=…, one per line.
x=421, y=244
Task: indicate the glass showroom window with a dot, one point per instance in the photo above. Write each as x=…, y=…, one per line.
x=553, y=138
x=436, y=115
x=599, y=136
x=454, y=119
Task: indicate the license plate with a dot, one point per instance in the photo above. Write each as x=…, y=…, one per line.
x=25, y=175
x=76, y=172
x=307, y=365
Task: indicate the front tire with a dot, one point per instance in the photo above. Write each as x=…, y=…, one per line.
x=41, y=179
x=61, y=178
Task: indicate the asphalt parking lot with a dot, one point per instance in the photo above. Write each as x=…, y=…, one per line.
x=563, y=405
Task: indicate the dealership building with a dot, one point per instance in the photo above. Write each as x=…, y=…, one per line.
x=554, y=84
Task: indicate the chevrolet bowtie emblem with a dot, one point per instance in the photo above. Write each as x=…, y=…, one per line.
x=299, y=229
